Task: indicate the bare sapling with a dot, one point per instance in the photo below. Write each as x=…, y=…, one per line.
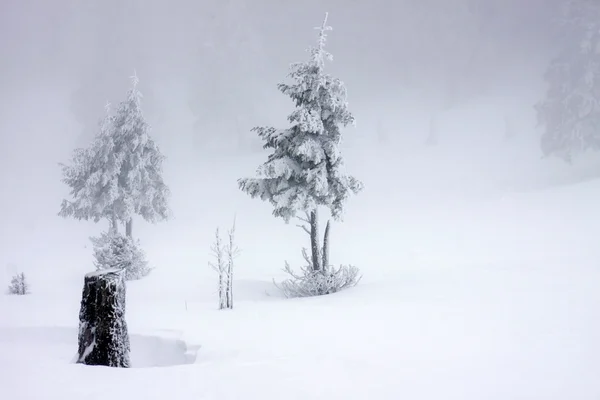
x=224, y=254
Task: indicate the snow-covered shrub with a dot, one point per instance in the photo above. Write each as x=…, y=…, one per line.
x=18, y=285
x=114, y=250
x=318, y=283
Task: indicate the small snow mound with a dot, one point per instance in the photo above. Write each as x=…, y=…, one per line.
x=158, y=351
x=52, y=345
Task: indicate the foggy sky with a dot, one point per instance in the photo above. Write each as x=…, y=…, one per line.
x=209, y=70
x=219, y=46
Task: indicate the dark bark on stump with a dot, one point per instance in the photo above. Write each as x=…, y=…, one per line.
x=103, y=336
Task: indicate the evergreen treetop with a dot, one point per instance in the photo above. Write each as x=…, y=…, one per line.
x=120, y=174
x=305, y=169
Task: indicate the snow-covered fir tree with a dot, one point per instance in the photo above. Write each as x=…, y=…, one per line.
x=570, y=112
x=305, y=169
x=120, y=175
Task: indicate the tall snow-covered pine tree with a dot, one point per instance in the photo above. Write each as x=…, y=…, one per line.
x=305, y=169
x=120, y=174
x=570, y=113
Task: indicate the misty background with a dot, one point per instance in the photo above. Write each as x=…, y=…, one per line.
x=469, y=70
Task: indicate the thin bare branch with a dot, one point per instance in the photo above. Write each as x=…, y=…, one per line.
x=305, y=219
x=304, y=228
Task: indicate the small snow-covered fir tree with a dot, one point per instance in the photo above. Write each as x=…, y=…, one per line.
x=570, y=113
x=120, y=175
x=305, y=169
x=18, y=285
x=116, y=251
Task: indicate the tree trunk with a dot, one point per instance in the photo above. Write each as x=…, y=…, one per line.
x=221, y=289
x=114, y=226
x=230, y=283
x=103, y=337
x=326, y=247
x=129, y=228
x=314, y=240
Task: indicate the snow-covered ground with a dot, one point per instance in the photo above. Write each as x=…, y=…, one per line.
x=497, y=299
x=480, y=272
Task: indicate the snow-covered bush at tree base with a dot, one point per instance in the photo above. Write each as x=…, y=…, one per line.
x=18, y=285
x=114, y=250
x=305, y=169
x=120, y=174
x=570, y=113
x=224, y=255
x=318, y=283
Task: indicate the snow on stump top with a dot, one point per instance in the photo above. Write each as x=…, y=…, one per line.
x=103, y=337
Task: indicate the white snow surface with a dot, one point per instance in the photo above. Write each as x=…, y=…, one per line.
x=480, y=281
x=102, y=272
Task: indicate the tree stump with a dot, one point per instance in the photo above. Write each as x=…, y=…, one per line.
x=103, y=336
